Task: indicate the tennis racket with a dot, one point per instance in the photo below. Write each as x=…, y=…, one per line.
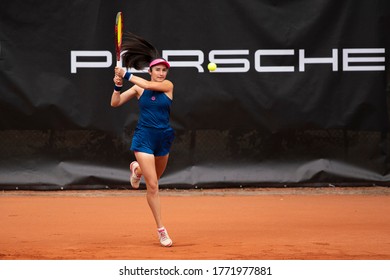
x=118, y=37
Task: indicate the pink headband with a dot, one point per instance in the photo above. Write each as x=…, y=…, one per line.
x=159, y=61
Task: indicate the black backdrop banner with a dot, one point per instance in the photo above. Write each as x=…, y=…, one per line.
x=300, y=95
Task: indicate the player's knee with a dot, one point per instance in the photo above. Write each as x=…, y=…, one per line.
x=152, y=187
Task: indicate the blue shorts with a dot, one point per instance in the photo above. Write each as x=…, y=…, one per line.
x=153, y=141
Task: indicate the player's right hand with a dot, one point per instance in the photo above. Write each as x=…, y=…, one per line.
x=118, y=80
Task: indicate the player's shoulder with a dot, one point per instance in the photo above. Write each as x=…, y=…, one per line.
x=168, y=82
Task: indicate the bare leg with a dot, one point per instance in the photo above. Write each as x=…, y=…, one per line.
x=161, y=164
x=152, y=168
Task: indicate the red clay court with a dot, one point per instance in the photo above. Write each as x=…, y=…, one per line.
x=220, y=224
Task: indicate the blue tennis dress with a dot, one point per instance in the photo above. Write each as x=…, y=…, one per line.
x=153, y=134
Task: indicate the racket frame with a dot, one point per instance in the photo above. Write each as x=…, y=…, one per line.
x=118, y=37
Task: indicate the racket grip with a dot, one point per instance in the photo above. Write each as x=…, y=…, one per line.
x=118, y=63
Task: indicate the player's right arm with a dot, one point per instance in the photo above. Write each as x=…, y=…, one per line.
x=118, y=98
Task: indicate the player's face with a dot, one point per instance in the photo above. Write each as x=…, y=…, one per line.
x=158, y=73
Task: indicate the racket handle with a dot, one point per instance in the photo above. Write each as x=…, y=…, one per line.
x=118, y=63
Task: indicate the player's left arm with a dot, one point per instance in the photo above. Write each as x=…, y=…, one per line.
x=164, y=86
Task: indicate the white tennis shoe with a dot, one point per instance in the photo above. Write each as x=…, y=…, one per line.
x=134, y=178
x=164, y=237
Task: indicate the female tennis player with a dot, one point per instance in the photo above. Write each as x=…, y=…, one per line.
x=153, y=135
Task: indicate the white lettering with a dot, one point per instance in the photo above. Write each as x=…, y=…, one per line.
x=243, y=63
x=317, y=60
x=197, y=62
x=260, y=68
x=354, y=59
x=231, y=61
x=75, y=64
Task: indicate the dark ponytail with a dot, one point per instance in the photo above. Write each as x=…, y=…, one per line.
x=138, y=53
